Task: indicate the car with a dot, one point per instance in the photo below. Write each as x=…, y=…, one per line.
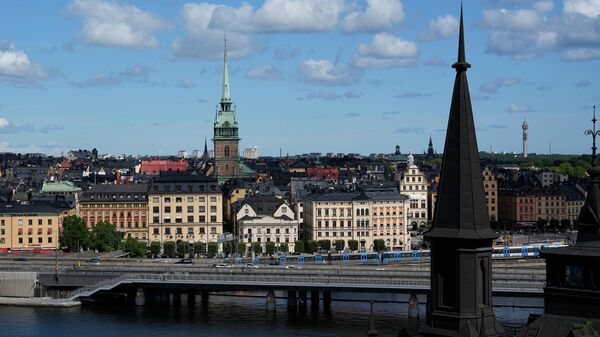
x=93, y=261
x=291, y=266
x=185, y=261
x=20, y=259
x=274, y=263
x=221, y=265
x=251, y=265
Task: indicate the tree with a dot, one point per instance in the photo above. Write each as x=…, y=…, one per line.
x=105, y=237
x=299, y=247
x=183, y=248
x=257, y=248
x=74, y=234
x=169, y=248
x=270, y=247
x=339, y=245
x=227, y=247
x=135, y=248
x=284, y=247
x=325, y=244
x=379, y=245
x=312, y=246
x=213, y=248
x=353, y=245
x=241, y=248
x=154, y=248
x=554, y=224
x=541, y=224
x=565, y=224
x=199, y=247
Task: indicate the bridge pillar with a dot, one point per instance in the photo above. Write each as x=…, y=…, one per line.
x=271, y=304
x=177, y=298
x=292, y=301
x=191, y=298
x=164, y=297
x=140, y=297
x=204, y=295
x=302, y=298
x=314, y=299
x=326, y=299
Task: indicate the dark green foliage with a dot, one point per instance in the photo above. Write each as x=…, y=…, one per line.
x=340, y=245
x=169, y=248
x=74, y=234
x=270, y=247
x=284, y=247
x=565, y=224
x=312, y=246
x=241, y=248
x=353, y=245
x=154, y=248
x=213, y=248
x=183, y=248
x=134, y=247
x=199, y=248
x=257, y=248
x=325, y=244
x=379, y=245
x=299, y=247
x=105, y=237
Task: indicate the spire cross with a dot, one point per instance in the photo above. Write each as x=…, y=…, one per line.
x=593, y=132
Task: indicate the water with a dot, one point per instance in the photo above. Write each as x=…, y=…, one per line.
x=234, y=316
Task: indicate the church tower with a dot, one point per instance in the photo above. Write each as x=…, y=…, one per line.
x=460, y=301
x=226, y=138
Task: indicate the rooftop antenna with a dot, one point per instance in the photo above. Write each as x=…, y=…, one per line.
x=593, y=132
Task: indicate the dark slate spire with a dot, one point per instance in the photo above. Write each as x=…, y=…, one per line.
x=588, y=223
x=461, y=210
x=205, y=155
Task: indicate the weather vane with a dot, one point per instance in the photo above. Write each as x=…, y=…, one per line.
x=594, y=133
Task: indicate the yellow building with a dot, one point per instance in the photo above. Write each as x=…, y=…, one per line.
x=125, y=206
x=30, y=227
x=185, y=208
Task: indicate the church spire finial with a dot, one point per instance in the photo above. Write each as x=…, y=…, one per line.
x=226, y=96
x=461, y=64
x=593, y=132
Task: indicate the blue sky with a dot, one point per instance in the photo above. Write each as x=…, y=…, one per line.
x=144, y=77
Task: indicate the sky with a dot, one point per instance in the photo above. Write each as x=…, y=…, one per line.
x=359, y=76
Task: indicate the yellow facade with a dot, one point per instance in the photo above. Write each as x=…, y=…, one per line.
x=36, y=228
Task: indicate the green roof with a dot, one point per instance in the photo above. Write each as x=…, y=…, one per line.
x=60, y=187
x=246, y=170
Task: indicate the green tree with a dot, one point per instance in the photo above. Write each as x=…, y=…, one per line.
x=379, y=245
x=134, y=247
x=169, y=248
x=339, y=245
x=541, y=224
x=183, y=248
x=325, y=244
x=284, y=248
x=353, y=245
x=227, y=247
x=299, y=247
x=154, y=248
x=213, y=249
x=105, y=237
x=554, y=224
x=565, y=224
x=74, y=234
x=312, y=246
x=199, y=247
x=241, y=248
x=270, y=247
x=257, y=248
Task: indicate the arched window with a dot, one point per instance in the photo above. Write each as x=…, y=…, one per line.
x=226, y=151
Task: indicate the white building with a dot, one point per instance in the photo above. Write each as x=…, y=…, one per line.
x=264, y=218
x=250, y=153
x=414, y=184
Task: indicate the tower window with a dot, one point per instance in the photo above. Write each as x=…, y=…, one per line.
x=226, y=151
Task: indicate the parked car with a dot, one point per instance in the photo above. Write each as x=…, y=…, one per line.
x=274, y=263
x=220, y=265
x=291, y=266
x=93, y=261
x=251, y=265
x=185, y=261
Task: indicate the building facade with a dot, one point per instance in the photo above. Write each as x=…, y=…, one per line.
x=266, y=218
x=414, y=184
x=490, y=186
x=30, y=227
x=125, y=206
x=226, y=138
x=185, y=208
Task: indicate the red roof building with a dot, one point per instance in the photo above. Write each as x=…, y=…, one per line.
x=323, y=173
x=156, y=166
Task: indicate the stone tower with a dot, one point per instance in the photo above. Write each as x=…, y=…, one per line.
x=430, y=151
x=525, y=127
x=226, y=138
x=460, y=301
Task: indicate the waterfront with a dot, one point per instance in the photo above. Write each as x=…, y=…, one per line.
x=235, y=315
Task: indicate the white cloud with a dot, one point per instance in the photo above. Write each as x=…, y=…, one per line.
x=589, y=8
x=442, y=27
x=544, y=6
x=117, y=24
x=325, y=72
x=329, y=95
x=504, y=19
x=493, y=86
x=519, y=108
x=4, y=122
x=266, y=72
x=186, y=83
x=297, y=15
x=16, y=67
x=386, y=51
x=379, y=15
x=581, y=54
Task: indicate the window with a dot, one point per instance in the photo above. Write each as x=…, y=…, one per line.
x=190, y=199
x=213, y=218
x=40, y=222
x=178, y=231
x=30, y=222
x=155, y=219
x=190, y=218
x=155, y=199
x=178, y=199
x=167, y=220
x=201, y=199
x=202, y=231
x=213, y=209
x=202, y=209
x=213, y=199
x=226, y=151
x=167, y=199
x=202, y=218
x=213, y=230
x=49, y=239
x=168, y=230
x=155, y=209
x=178, y=209
x=167, y=209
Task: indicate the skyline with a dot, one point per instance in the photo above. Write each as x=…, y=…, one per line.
x=151, y=68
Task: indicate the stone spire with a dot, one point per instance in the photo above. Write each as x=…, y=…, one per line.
x=430, y=152
x=205, y=155
x=588, y=223
x=225, y=95
x=461, y=210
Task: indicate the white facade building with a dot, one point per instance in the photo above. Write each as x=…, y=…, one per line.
x=413, y=183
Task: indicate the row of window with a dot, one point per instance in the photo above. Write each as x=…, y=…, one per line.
x=30, y=222
x=417, y=215
x=85, y=206
x=179, y=231
x=179, y=188
x=136, y=224
x=178, y=219
x=40, y=240
x=187, y=199
x=416, y=188
x=114, y=213
x=179, y=209
x=120, y=196
x=414, y=179
x=277, y=239
x=335, y=234
x=268, y=230
x=20, y=231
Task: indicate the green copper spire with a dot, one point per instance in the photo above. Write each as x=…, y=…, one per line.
x=226, y=96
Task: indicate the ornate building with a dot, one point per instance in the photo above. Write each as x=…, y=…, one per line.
x=414, y=184
x=226, y=138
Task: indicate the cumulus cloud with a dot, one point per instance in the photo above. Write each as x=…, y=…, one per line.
x=10, y=127
x=386, y=51
x=286, y=53
x=493, y=86
x=325, y=72
x=529, y=32
x=117, y=24
x=378, y=15
x=17, y=68
x=266, y=72
x=519, y=108
x=137, y=71
x=442, y=27
x=134, y=74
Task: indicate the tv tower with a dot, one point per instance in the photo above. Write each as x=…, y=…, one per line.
x=525, y=127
